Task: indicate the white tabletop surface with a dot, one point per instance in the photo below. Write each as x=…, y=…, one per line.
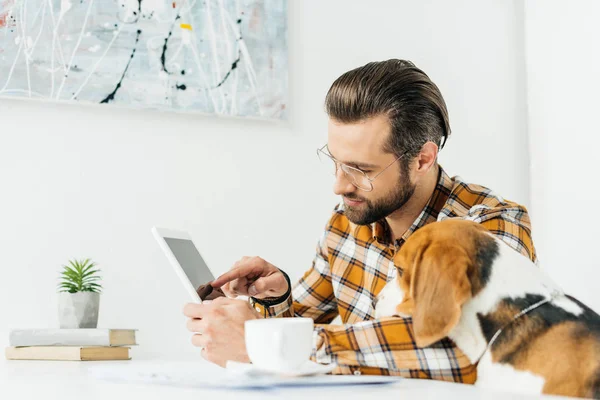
x=73, y=380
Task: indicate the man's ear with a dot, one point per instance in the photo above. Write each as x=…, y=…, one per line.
x=427, y=157
x=440, y=287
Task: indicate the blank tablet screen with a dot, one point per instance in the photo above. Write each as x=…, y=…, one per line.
x=191, y=261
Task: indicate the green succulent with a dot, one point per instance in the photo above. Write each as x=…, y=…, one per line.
x=80, y=276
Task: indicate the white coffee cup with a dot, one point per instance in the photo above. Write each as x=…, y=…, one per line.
x=279, y=344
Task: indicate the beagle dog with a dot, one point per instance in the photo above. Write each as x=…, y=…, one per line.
x=457, y=280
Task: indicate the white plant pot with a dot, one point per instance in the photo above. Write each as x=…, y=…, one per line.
x=78, y=310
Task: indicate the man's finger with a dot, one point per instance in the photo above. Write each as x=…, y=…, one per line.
x=228, y=292
x=196, y=325
x=211, y=357
x=234, y=285
x=233, y=274
x=261, y=288
x=222, y=301
x=200, y=340
x=250, y=267
x=193, y=310
x=240, y=286
x=232, y=289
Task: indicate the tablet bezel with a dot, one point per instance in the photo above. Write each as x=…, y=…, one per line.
x=160, y=234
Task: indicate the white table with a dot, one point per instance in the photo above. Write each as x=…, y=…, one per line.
x=71, y=380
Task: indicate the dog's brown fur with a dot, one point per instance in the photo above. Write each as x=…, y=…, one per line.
x=448, y=263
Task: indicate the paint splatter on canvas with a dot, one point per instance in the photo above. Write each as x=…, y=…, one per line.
x=226, y=57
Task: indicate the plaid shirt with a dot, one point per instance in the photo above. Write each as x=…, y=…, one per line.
x=352, y=265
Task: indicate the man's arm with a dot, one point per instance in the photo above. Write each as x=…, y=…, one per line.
x=505, y=219
x=510, y=223
x=312, y=297
x=386, y=346
x=379, y=347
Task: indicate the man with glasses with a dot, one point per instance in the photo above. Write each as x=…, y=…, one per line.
x=387, y=122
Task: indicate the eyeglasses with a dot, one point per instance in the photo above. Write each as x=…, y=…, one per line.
x=357, y=177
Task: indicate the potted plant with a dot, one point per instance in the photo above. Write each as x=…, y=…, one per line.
x=79, y=295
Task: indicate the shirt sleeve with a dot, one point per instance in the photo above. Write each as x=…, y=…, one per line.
x=386, y=346
x=509, y=222
x=505, y=219
x=313, y=296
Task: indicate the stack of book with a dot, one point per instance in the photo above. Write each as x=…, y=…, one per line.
x=70, y=344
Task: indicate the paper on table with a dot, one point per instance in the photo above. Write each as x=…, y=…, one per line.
x=307, y=369
x=201, y=375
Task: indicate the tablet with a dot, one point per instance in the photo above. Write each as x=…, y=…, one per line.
x=185, y=259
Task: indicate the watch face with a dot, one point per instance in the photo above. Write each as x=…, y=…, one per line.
x=258, y=308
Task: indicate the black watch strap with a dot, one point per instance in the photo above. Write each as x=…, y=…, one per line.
x=272, y=301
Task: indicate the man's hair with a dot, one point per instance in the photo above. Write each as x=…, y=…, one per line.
x=402, y=92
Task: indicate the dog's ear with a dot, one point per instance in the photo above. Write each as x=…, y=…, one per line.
x=407, y=284
x=410, y=258
x=439, y=287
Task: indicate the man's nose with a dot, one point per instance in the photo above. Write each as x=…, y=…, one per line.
x=342, y=185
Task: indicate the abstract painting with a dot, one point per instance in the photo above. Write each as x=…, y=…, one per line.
x=225, y=57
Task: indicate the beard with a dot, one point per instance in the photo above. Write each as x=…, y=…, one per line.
x=374, y=210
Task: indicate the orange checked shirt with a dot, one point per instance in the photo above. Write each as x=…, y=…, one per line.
x=352, y=265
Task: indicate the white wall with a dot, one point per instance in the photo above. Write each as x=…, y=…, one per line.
x=563, y=62
x=92, y=181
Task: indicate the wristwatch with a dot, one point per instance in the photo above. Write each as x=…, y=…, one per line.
x=272, y=301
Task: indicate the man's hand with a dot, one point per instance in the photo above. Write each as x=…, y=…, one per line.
x=252, y=276
x=219, y=328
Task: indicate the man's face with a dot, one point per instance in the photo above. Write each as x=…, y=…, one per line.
x=361, y=145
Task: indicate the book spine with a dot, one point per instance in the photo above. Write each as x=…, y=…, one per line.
x=59, y=338
x=41, y=353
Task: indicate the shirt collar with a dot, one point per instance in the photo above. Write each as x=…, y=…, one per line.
x=381, y=229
